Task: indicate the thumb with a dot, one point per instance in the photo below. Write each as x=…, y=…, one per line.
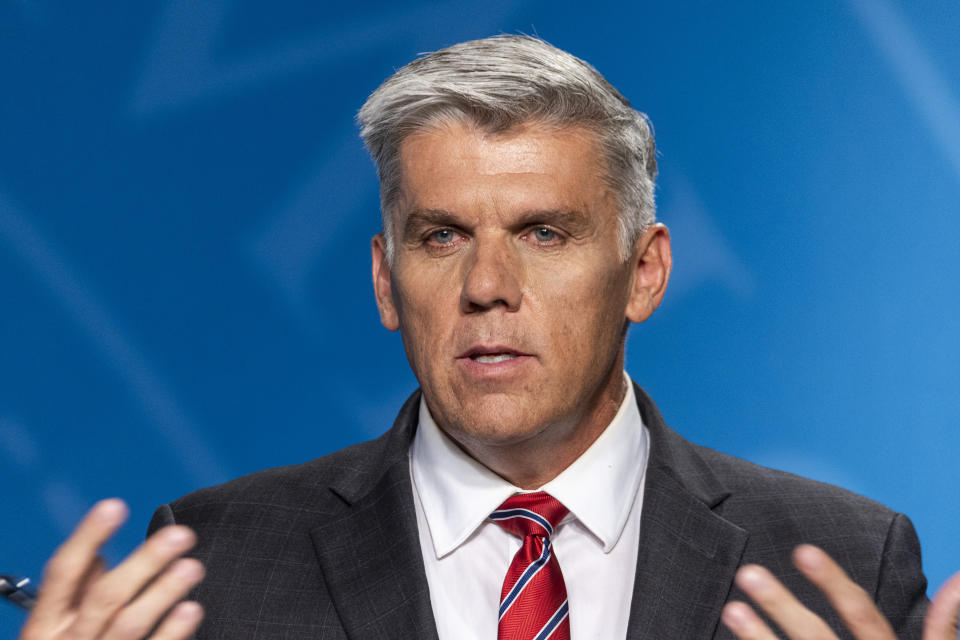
x=942, y=617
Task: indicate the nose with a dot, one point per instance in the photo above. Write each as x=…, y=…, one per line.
x=492, y=279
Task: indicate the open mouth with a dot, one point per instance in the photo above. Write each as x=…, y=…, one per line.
x=492, y=354
x=492, y=358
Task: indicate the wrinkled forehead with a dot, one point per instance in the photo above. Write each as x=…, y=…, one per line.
x=452, y=156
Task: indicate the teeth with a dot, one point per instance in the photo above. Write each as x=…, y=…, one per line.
x=491, y=359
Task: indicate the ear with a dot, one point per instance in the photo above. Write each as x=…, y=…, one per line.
x=382, y=288
x=652, y=263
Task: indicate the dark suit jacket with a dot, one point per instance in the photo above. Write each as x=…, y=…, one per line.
x=329, y=549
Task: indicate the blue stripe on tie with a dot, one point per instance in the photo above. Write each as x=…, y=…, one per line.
x=525, y=577
x=506, y=514
x=554, y=622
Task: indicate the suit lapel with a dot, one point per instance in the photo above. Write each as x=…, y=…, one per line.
x=688, y=554
x=369, y=551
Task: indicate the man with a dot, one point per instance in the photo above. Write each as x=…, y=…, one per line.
x=529, y=489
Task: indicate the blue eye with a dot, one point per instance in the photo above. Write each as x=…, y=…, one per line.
x=443, y=236
x=545, y=234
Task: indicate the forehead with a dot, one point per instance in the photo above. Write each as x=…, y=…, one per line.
x=460, y=163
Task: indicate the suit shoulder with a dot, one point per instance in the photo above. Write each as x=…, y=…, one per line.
x=875, y=545
x=757, y=488
x=288, y=485
x=743, y=476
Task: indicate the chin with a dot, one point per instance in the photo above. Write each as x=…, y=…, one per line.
x=498, y=420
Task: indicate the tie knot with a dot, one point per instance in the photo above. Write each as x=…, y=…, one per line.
x=526, y=514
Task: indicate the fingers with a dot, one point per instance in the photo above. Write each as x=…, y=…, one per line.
x=180, y=622
x=115, y=590
x=941, y=622
x=97, y=568
x=854, y=605
x=79, y=599
x=744, y=623
x=69, y=568
x=793, y=618
x=136, y=619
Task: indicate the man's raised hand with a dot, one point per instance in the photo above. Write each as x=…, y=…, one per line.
x=80, y=599
x=852, y=603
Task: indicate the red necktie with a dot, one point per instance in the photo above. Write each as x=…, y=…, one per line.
x=533, y=601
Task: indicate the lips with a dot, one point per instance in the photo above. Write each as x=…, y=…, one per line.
x=495, y=364
x=493, y=358
x=491, y=354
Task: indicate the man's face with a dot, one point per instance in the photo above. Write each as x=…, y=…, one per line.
x=507, y=284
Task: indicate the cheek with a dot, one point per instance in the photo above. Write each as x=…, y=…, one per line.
x=585, y=310
x=426, y=310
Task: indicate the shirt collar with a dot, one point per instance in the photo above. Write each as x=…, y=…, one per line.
x=457, y=493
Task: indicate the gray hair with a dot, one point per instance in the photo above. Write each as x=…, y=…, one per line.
x=501, y=82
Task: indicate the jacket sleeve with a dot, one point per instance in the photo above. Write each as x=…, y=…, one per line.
x=901, y=587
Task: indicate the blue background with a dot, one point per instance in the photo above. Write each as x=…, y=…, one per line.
x=185, y=210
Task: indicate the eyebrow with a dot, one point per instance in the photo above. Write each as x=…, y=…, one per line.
x=420, y=218
x=573, y=221
x=429, y=216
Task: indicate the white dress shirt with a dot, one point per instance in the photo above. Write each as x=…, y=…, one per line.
x=466, y=556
